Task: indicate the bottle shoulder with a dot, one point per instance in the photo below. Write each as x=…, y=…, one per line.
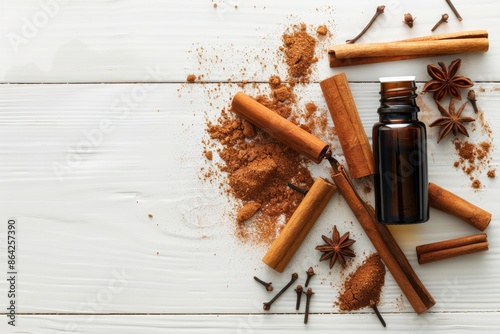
x=399, y=125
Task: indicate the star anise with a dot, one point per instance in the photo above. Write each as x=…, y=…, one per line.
x=451, y=121
x=336, y=248
x=445, y=81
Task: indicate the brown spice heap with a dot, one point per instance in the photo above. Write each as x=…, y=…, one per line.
x=363, y=287
x=299, y=49
x=472, y=158
x=259, y=169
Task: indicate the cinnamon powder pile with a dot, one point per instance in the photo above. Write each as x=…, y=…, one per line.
x=299, y=49
x=258, y=167
x=363, y=287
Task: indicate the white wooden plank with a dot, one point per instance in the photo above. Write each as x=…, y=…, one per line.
x=117, y=41
x=87, y=244
x=469, y=322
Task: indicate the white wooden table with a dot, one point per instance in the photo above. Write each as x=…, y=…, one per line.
x=98, y=129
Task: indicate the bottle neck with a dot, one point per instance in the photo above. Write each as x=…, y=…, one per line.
x=395, y=117
x=397, y=101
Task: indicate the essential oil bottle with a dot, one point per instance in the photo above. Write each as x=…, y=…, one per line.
x=400, y=152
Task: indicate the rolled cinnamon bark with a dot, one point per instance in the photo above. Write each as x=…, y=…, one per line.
x=383, y=241
x=352, y=135
x=280, y=128
x=299, y=225
x=425, y=46
x=448, y=202
x=450, y=248
x=416, y=48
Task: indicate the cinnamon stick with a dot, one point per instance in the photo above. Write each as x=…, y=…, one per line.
x=299, y=225
x=448, y=202
x=352, y=136
x=426, y=46
x=279, y=127
x=450, y=248
x=383, y=241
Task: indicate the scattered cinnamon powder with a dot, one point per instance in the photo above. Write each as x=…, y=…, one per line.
x=491, y=173
x=282, y=94
x=247, y=211
x=322, y=30
x=311, y=108
x=259, y=169
x=247, y=182
x=299, y=49
x=363, y=287
x=473, y=158
x=255, y=166
x=248, y=129
x=274, y=81
x=466, y=151
x=209, y=155
x=191, y=78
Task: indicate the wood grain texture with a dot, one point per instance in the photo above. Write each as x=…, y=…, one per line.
x=57, y=44
x=87, y=244
x=259, y=323
x=84, y=164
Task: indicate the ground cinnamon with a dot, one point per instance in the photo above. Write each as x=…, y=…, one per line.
x=298, y=48
x=247, y=211
x=473, y=158
x=364, y=286
x=235, y=143
x=250, y=156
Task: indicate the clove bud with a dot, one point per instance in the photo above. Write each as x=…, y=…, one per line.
x=408, y=20
x=471, y=96
x=267, y=305
x=444, y=19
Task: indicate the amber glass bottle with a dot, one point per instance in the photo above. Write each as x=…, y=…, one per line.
x=400, y=151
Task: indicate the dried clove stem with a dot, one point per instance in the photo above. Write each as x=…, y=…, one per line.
x=268, y=286
x=444, y=19
x=267, y=306
x=455, y=11
x=379, y=316
x=380, y=10
x=310, y=273
x=471, y=96
x=309, y=294
x=300, y=190
x=299, y=291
